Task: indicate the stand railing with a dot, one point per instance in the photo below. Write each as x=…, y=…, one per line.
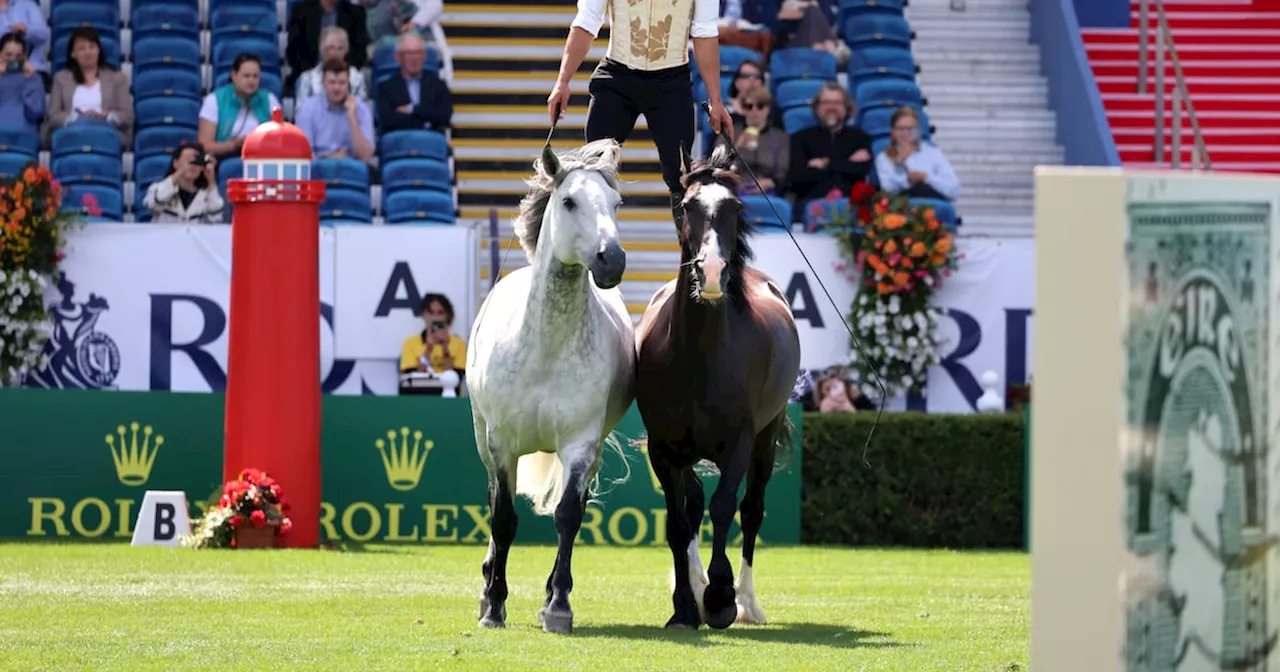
x=1162, y=42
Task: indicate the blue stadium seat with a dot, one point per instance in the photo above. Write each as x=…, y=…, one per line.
x=881, y=61
x=756, y=210
x=228, y=168
x=219, y=4
x=167, y=82
x=876, y=29
x=413, y=144
x=85, y=139
x=797, y=93
x=427, y=206
x=160, y=140
x=227, y=49
x=140, y=211
x=346, y=204
x=165, y=20
x=341, y=173
x=875, y=121
x=13, y=163
x=192, y=6
x=182, y=53
x=414, y=174
x=945, y=211
x=110, y=200
x=800, y=63
x=89, y=169
x=15, y=139
x=268, y=80
x=103, y=17
x=167, y=112
x=58, y=52
x=732, y=56
x=241, y=20
x=151, y=169
x=847, y=8
x=887, y=92
x=797, y=119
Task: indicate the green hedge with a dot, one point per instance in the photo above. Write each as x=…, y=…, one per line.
x=928, y=480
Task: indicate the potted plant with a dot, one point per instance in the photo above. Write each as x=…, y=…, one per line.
x=251, y=513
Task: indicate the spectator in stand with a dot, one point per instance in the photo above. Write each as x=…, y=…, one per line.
x=388, y=19
x=307, y=18
x=762, y=144
x=435, y=349
x=89, y=90
x=21, y=90
x=808, y=23
x=748, y=77
x=338, y=124
x=333, y=44
x=833, y=154
x=909, y=166
x=234, y=109
x=25, y=18
x=417, y=98
x=749, y=23
x=188, y=192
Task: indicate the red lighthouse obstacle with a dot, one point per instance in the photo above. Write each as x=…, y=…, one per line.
x=273, y=353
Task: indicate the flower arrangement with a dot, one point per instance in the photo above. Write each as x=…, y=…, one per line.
x=254, y=500
x=33, y=229
x=898, y=254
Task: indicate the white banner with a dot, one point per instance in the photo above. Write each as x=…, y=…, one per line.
x=381, y=279
x=987, y=304
x=144, y=307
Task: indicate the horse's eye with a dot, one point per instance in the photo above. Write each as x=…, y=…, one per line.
x=568, y=203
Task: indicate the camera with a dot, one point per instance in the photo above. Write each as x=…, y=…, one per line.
x=13, y=66
x=200, y=159
x=436, y=325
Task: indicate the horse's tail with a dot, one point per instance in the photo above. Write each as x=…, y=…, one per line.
x=784, y=447
x=540, y=477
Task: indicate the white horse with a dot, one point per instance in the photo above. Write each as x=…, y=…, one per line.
x=551, y=365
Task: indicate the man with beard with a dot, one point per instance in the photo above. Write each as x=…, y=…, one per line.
x=831, y=155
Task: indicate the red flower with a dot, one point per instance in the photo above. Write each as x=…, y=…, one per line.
x=285, y=526
x=860, y=192
x=59, y=255
x=224, y=502
x=258, y=518
x=236, y=521
x=90, y=203
x=275, y=491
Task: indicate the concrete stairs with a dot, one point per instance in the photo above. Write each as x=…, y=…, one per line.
x=989, y=106
x=505, y=58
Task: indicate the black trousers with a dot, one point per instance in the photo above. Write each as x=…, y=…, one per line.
x=665, y=97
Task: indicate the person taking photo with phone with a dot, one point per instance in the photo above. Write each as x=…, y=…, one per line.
x=435, y=349
x=188, y=192
x=21, y=91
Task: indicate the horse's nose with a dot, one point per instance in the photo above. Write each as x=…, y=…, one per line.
x=609, y=265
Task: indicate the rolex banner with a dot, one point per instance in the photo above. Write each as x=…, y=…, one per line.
x=395, y=469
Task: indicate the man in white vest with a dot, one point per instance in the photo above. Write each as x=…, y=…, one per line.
x=646, y=71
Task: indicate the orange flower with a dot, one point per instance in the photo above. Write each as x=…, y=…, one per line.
x=932, y=225
x=884, y=288
x=20, y=214
x=937, y=259
x=890, y=247
x=907, y=263
x=901, y=278
x=943, y=245
x=917, y=249
x=873, y=259
x=29, y=175
x=894, y=221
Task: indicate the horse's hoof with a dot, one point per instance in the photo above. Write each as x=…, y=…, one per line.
x=723, y=618
x=750, y=614
x=675, y=623
x=488, y=620
x=559, y=623
x=491, y=623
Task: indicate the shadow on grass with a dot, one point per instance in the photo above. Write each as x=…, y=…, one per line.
x=808, y=634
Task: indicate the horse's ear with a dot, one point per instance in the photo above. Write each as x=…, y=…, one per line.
x=612, y=154
x=550, y=164
x=721, y=157
x=684, y=164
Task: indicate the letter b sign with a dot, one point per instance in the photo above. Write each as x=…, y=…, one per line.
x=162, y=519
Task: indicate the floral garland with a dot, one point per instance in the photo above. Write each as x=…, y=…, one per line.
x=898, y=254
x=254, y=498
x=33, y=229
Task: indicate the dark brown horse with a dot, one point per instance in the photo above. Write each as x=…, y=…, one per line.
x=718, y=358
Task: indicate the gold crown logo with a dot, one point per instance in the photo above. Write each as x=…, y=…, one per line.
x=643, y=445
x=404, y=462
x=133, y=461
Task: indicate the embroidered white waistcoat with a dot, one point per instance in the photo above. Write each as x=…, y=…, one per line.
x=650, y=34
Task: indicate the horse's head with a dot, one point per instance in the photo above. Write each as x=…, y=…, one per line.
x=581, y=188
x=713, y=233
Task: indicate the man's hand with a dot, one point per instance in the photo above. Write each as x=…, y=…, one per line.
x=404, y=109
x=18, y=27
x=860, y=156
x=339, y=153
x=350, y=104
x=720, y=119
x=27, y=68
x=211, y=172
x=558, y=102
x=819, y=162
x=917, y=176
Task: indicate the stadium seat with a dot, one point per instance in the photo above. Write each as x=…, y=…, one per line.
x=183, y=112
x=227, y=49
x=732, y=56
x=167, y=82
x=944, y=210
x=13, y=163
x=85, y=139
x=847, y=8
x=268, y=80
x=110, y=200
x=165, y=20
x=89, y=169
x=149, y=53
x=103, y=17
x=881, y=61
x=219, y=4
x=151, y=169
x=757, y=212
x=228, y=168
x=341, y=173
x=797, y=93
x=862, y=30
x=800, y=63
x=419, y=206
x=414, y=174
x=797, y=119
x=58, y=52
x=15, y=139
x=243, y=20
x=875, y=121
x=192, y=6
x=887, y=92
x=346, y=204
x=160, y=140
x=413, y=144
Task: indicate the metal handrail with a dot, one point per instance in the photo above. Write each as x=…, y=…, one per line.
x=1181, y=97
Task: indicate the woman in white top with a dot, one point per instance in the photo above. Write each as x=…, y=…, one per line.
x=89, y=90
x=188, y=192
x=233, y=110
x=333, y=44
x=909, y=166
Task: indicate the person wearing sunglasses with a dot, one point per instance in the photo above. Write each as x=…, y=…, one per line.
x=762, y=143
x=913, y=167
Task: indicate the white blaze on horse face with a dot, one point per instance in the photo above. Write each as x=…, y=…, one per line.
x=580, y=232
x=711, y=258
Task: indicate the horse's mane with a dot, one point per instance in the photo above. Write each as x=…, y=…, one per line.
x=549, y=170
x=720, y=168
